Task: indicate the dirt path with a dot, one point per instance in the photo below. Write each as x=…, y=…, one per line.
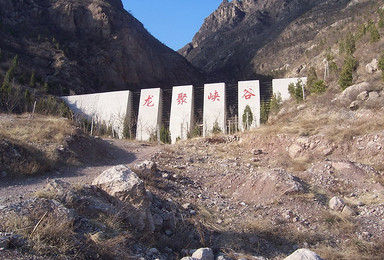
x=124, y=152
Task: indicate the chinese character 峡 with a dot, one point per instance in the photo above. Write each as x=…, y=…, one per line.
x=248, y=93
x=214, y=96
x=181, y=98
x=148, y=102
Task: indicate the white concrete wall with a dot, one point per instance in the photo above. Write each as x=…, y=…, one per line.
x=281, y=86
x=110, y=108
x=181, y=120
x=249, y=94
x=214, y=107
x=149, y=113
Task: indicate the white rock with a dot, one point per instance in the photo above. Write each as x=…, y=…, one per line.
x=303, y=254
x=123, y=184
x=203, y=254
x=336, y=203
x=145, y=168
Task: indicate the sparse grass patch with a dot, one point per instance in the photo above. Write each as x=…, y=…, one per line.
x=45, y=236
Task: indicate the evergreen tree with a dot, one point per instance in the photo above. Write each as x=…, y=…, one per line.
x=346, y=75
x=350, y=44
x=311, y=78
x=247, y=117
x=373, y=32
x=32, y=81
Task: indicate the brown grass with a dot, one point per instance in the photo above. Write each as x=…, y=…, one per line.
x=37, y=130
x=35, y=140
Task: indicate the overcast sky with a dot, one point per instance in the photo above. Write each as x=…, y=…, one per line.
x=173, y=22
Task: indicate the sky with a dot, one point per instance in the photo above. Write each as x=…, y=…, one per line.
x=173, y=22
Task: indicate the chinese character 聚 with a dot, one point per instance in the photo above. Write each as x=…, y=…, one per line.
x=181, y=98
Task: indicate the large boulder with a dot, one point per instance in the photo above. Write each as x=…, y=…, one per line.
x=128, y=189
x=350, y=94
x=303, y=254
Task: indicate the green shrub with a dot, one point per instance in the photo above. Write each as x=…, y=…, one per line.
x=216, y=128
x=296, y=91
x=350, y=44
x=381, y=65
x=318, y=87
x=264, y=112
x=165, y=135
x=373, y=32
x=247, y=117
x=276, y=102
x=346, y=75
x=311, y=78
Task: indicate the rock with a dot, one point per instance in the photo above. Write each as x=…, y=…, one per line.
x=372, y=67
x=336, y=203
x=303, y=254
x=203, y=254
x=3, y=174
x=153, y=251
x=122, y=183
x=362, y=96
x=355, y=105
x=58, y=187
x=145, y=169
x=223, y=257
x=128, y=189
x=348, y=211
x=188, y=258
x=4, y=242
x=158, y=221
x=374, y=100
x=350, y=94
x=294, y=150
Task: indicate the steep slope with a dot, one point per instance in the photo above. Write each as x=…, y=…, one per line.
x=244, y=38
x=86, y=46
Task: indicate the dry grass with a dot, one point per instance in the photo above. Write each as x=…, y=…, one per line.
x=33, y=141
x=37, y=130
x=45, y=235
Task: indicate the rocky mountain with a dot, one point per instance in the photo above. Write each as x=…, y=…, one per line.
x=86, y=46
x=244, y=38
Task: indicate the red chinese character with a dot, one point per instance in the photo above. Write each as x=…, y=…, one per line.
x=148, y=102
x=248, y=93
x=214, y=97
x=181, y=98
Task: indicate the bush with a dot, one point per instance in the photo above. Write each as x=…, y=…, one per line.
x=216, y=128
x=275, y=103
x=346, y=75
x=381, y=65
x=247, y=117
x=350, y=44
x=296, y=91
x=311, y=77
x=264, y=112
x=165, y=135
x=373, y=32
x=318, y=87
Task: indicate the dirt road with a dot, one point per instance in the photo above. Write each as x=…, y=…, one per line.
x=119, y=152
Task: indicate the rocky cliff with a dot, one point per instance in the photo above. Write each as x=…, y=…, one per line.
x=86, y=46
x=242, y=39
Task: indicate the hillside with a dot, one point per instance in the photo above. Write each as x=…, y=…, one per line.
x=85, y=47
x=243, y=39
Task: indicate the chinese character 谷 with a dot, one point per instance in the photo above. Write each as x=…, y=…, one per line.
x=214, y=96
x=248, y=93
